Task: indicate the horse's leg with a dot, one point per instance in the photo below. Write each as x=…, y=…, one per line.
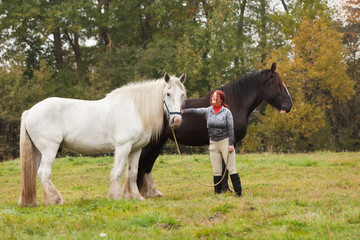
x=130, y=188
x=120, y=158
x=151, y=191
x=145, y=179
x=37, y=160
x=51, y=195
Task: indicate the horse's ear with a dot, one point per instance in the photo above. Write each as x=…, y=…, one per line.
x=183, y=78
x=273, y=68
x=273, y=71
x=166, y=77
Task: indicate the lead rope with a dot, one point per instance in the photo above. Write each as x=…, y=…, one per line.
x=202, y=184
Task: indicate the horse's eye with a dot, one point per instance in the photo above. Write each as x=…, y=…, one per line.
x=168, y=94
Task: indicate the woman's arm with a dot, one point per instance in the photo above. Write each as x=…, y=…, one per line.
x=230, y=125
x=196, y=111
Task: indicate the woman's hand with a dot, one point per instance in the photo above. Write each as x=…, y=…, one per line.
x=231, y=148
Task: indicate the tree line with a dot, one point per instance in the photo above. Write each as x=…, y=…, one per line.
x=85, y=49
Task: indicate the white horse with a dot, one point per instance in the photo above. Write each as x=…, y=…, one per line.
x=123, y=121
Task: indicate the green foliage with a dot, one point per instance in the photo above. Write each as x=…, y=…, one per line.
x=315, y=197
x=10, y=83
x=213, y=51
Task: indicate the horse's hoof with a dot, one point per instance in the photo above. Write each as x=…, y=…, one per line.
x=153, y=193
x=158, y=194
x=133, y=196
x=114, y=197
x=35, y=204
x=137, y=197
x=58, y=201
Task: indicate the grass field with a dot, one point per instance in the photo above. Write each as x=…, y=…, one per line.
x=291, y=196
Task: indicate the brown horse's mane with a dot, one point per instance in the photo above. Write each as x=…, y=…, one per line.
x=236, y=90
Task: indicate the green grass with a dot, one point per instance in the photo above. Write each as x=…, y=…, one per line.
x=285, y=196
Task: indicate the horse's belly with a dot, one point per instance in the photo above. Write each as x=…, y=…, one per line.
x=101, y=139
x=88, y=147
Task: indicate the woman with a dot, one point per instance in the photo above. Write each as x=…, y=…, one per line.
x=221, y=132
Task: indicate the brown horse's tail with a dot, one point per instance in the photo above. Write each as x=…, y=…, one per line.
x=28, y=174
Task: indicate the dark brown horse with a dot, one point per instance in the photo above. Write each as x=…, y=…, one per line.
x=242, y=95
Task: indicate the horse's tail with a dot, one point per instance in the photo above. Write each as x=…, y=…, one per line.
x=28, y=174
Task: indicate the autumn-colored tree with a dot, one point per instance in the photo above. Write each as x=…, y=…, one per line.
x=315, y=73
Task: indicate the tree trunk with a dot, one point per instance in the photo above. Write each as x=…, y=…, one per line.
x=240, y=31
x=241, y=20
x=104, y=31
x=77, y=53
x=58, y=48
x=145, y=25
x=263, y=20
x=285, y=6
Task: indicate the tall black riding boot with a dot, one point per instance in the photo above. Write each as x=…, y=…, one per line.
x=217, y=187
x=235, y=179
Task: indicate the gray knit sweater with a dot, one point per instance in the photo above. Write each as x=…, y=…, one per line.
x=220, y=125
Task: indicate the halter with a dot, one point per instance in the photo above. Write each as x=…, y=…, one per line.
x=167, y=109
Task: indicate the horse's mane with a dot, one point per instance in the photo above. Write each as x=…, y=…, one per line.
x=148, y=98
x=237, y=89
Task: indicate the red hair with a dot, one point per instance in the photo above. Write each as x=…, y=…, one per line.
x=222, y=96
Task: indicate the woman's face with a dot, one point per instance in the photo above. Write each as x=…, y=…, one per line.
x=215, y=100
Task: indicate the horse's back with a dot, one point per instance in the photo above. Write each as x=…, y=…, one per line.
x=53, y=112
x=58, y=120
x=83, y=126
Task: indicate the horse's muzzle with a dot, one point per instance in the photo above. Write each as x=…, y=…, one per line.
x=175, y=122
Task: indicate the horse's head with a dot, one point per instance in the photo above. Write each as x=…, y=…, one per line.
x=275, y=91
x=174, y=98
